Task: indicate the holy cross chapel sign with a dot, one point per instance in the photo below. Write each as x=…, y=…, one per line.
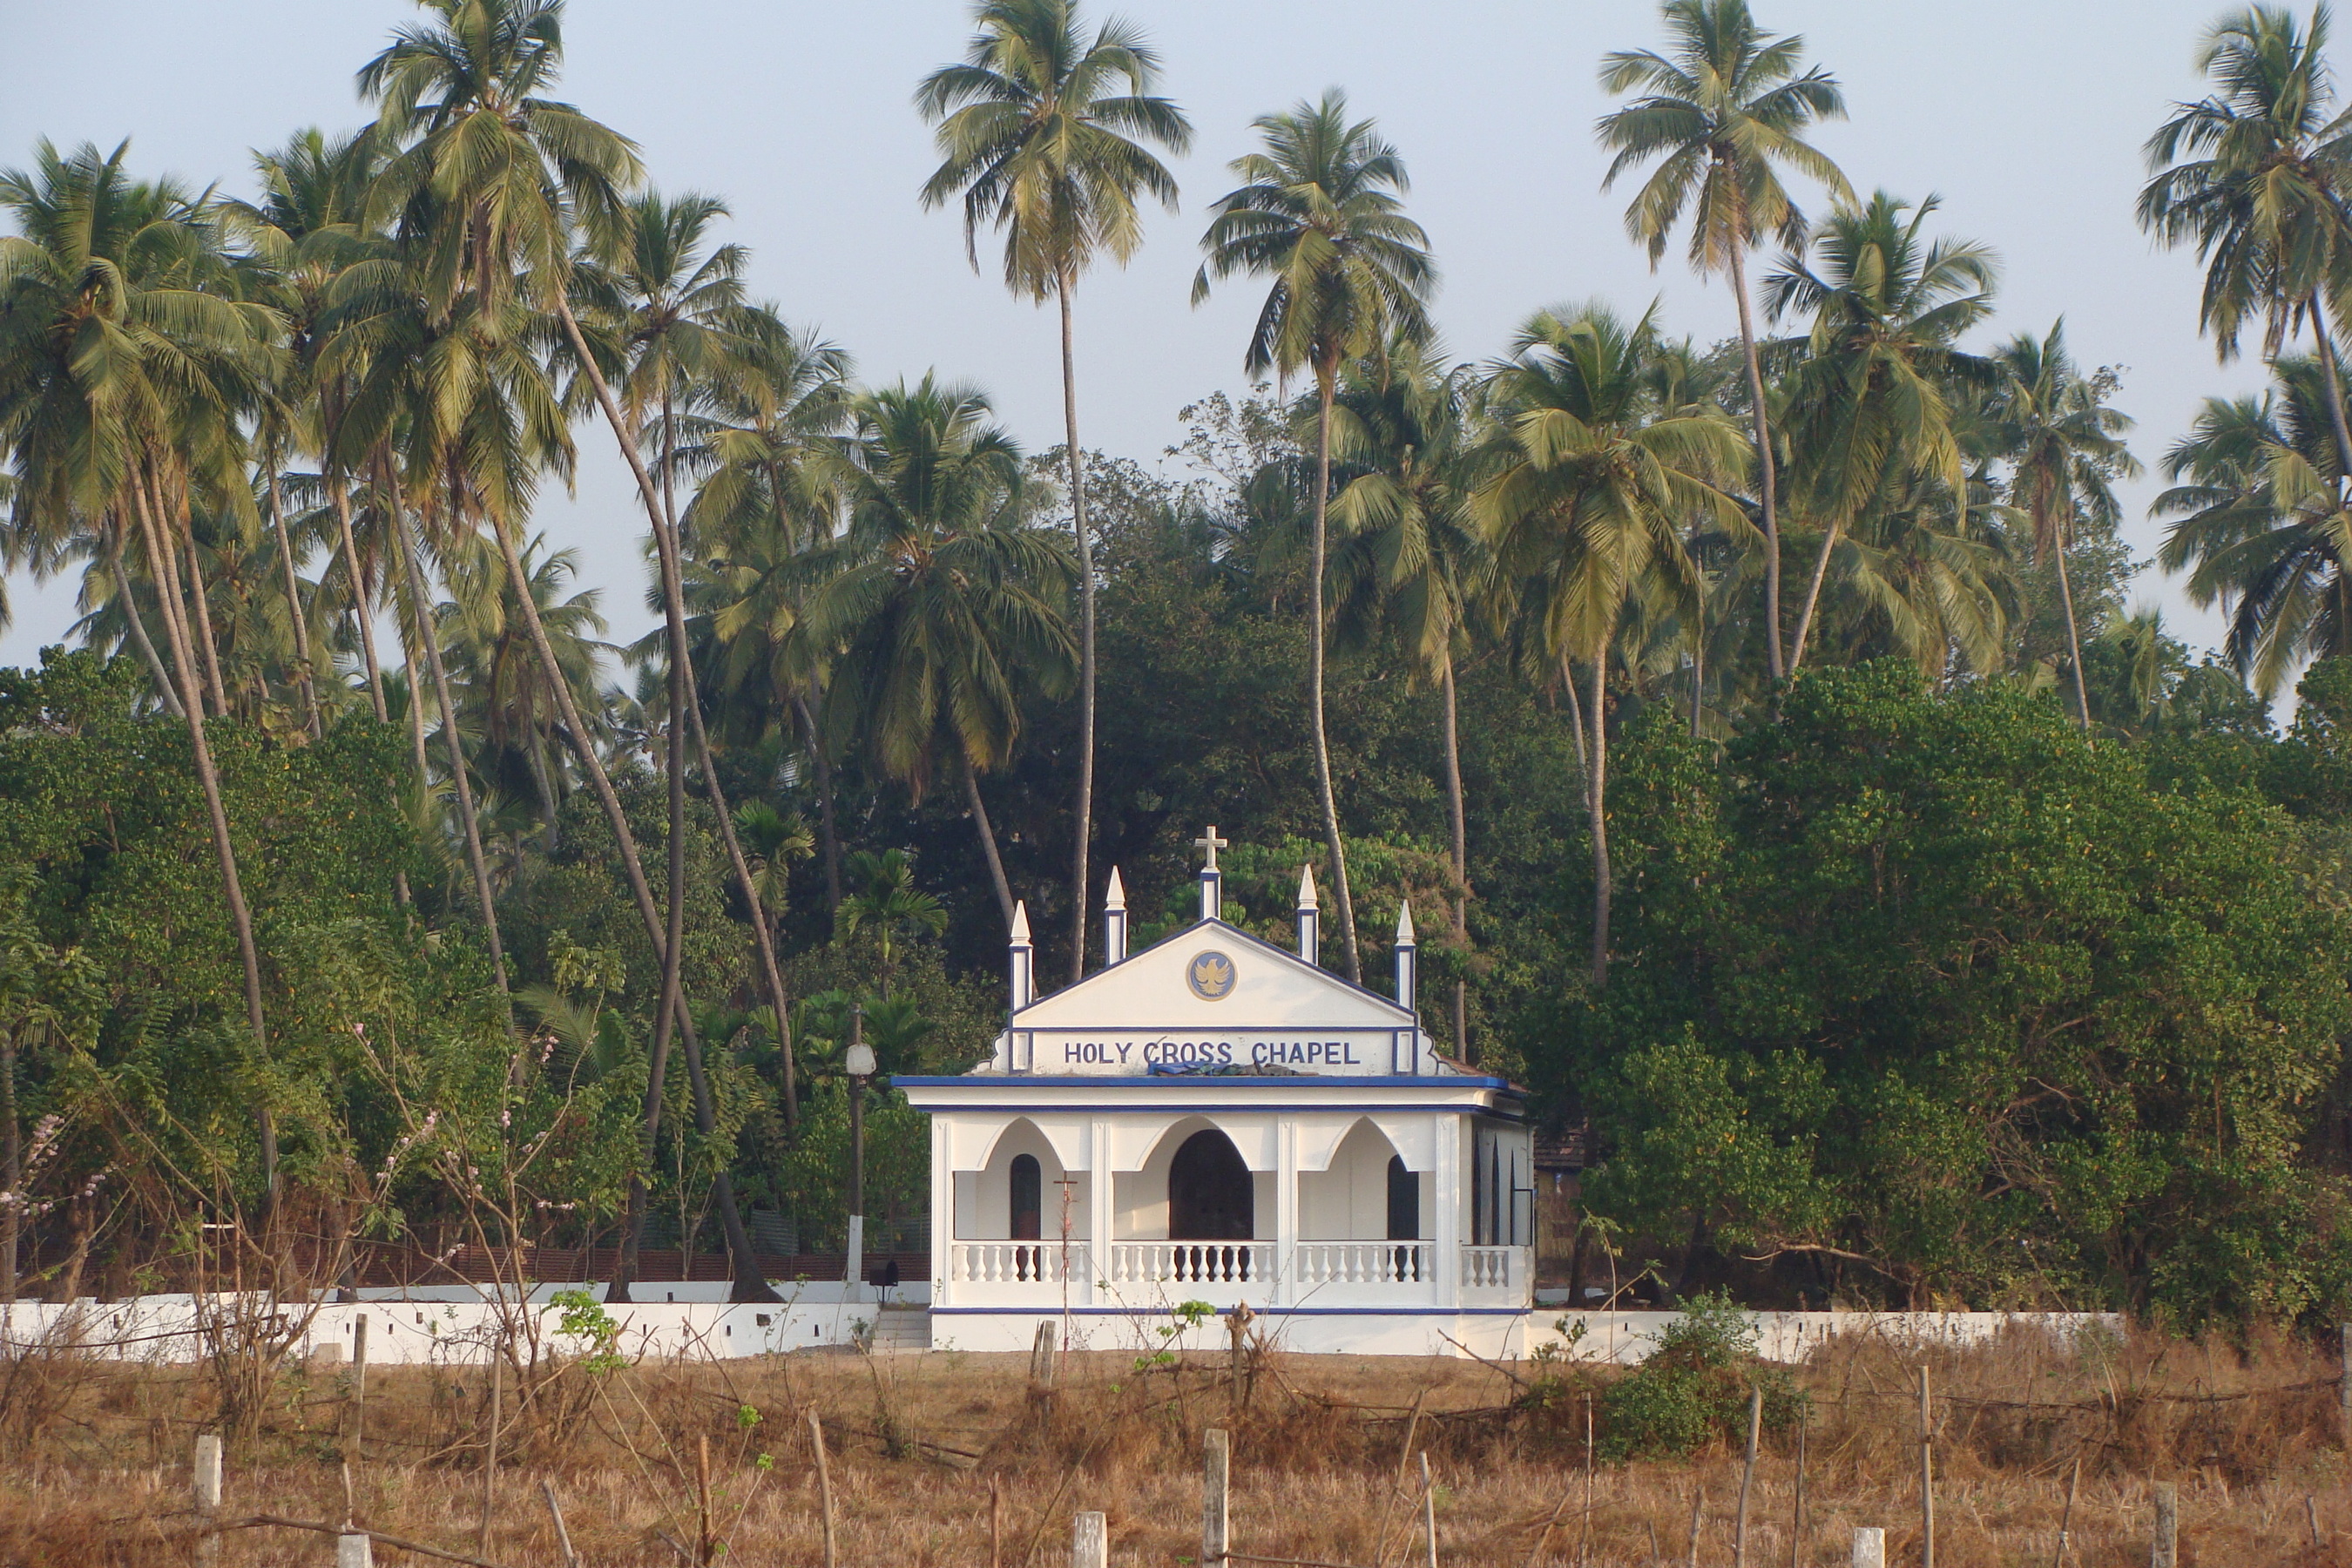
x=1218, y=1118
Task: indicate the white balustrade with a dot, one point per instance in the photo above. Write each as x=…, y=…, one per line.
x=1363, y=1263
x=1493, y=1267
x=1192, y=1262
x=1014, y=1262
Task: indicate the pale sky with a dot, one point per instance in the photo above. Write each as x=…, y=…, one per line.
x=2026, y=116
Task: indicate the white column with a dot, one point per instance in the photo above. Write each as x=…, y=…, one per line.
x=942, y=1212
x=1099, y=1180
x=1445, y=1240
x=1285, y=1211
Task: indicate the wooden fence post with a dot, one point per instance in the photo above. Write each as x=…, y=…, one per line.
x=1089, y=1540
x=1869, y=1547
x=2344, y=1382
x=355, y=1412
x=562, y=1535
x=1429, y=1508
x=1747, y=1475
x=823, y=1486
x=1216, y=1479
x=1927, y=1474
x=1698, y=1516
x=2166, y=1553
x=208, y=1486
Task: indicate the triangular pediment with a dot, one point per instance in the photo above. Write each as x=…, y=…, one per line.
x=1213, y=976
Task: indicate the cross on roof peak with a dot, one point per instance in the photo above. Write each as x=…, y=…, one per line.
x=1211, y=843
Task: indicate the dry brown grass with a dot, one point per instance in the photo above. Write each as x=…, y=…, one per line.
x=93, y=1461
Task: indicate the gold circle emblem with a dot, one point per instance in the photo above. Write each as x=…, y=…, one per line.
x=1211, y=976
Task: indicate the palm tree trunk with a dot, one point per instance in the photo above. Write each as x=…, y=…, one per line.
x=294, y=602
x=1576, y=718
x=987, y=841
x=1078, y=906
x=159, y=554
x=138, y=623
x=1324, y=378
x=12, y=1170
x=1457, y=824
x=362, y=612
x=1597, y=792
x=2333, y=386
x=1812, y=597
x=1767, y=477
x=828, y=832
x=1698, y=641
x=761, y=937
x=455, y=745
x=404, y=618
x=2073, y=640
x=195, y=593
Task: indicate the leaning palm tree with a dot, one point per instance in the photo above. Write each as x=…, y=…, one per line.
x=1868, y=405
x=2260, y=524
x=125, y=364
x=490, y=181
x=1042, y=131
x=1590, y=483
x=938, y=607
x=2256, y=177
x=1721, y=113
x=1410, y=564
x=2064, y=450
x=1319, y=214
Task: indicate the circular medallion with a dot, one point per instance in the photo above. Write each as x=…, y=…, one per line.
x=1211, y=976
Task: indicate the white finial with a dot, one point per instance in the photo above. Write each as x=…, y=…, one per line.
x=1115, y=894
x=1408, y=957
x=1211, y=843
x=1307, y=888
x=1404, y=921
x=1023, y=959
x=1310, y=919
x=1020, y=924
x=1115, y=919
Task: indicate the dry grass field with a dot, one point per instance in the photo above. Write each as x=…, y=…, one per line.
x=954, y=1460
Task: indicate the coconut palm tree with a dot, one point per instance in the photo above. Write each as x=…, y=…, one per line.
x=2064, y=448
x=1868, y=405
x=125, y=362
x=1722, y=113
x=2256, y=177
x=1319, y=214
x=2260, y=524
x=1589, y=485
x=1410, y=562
x=939, y=606
x=1044, y=131
x=889, y=904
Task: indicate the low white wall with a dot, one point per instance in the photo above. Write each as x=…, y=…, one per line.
x=1624, y=1338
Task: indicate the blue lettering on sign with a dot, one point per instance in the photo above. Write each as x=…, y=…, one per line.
x=1213, y=1053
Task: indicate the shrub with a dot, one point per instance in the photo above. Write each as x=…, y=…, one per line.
x=1694, y=1388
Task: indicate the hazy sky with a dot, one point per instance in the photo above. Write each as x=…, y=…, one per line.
x=2026, y=116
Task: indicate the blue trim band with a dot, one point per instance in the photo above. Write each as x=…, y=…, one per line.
x=1168, y=1080
x=1260, y=1311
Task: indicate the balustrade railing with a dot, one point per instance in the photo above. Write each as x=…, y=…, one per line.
x=1362, y=1263
x=1015, y=1262
x=1192, y=1262
x=1491, y=1268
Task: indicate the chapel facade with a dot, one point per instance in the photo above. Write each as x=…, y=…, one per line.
x=1217, y=1119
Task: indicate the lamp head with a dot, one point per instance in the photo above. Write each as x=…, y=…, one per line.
x=859, y=1060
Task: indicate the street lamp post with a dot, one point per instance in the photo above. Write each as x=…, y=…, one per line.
x=859, y=1060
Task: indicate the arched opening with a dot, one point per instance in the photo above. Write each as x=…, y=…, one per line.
x=1211, y=1195
x=1028, y=1198
x=1404, y=1202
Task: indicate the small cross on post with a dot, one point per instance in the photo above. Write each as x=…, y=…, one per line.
x=1211, y=843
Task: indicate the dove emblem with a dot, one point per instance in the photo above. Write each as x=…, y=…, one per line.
x=1211, y=974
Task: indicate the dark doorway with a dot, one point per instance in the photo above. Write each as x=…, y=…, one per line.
x=1404, y=1202
x=1211, y=1196
x=1028, y=1198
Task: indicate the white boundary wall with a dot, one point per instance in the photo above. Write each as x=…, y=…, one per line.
x=1623, y=1338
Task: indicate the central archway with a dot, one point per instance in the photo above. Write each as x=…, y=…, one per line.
x=1211, y=1193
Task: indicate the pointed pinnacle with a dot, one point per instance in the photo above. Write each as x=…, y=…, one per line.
x=1306, y=886
x=1404, y=921
x=1115, y=894
x=1020, y=924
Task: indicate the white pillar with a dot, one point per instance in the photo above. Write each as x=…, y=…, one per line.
x=1099, y=1181
x=1285, y=1211
x=1408, y=957
x=1114, y=920
x=1445, y=1236
x=942, y=1213
x=1310, y=918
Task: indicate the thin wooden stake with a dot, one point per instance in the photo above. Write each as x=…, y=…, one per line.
x=702, y=1500
x=1396, y=1486
x=555, y=1511
x=1584, y=1537
x=1217, y=1496
x=824, y=1488
x=1698, y=1508
x=2344, y=1382
x=2066, y=1520
x=2311, y=1516
x=1927, y=1474
x=490, y=1448
x=1747, y=1474
x=995, y=1522
x=1429, y=1508
x=1796, y=1513
x=355, y=1403
x=2166, y=1553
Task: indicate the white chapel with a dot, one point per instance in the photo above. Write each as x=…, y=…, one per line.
x=1216, y=1120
